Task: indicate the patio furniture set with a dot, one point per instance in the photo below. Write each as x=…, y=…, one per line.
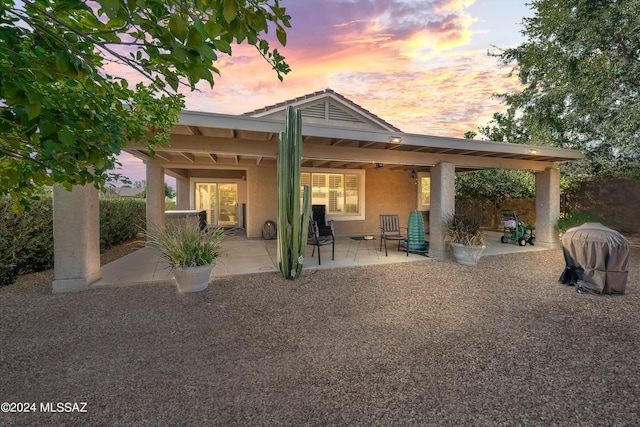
x=411, y=238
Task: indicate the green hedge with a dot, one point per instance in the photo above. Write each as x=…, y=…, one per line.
x=120, y=220
x=571, y=220
x=26, y=239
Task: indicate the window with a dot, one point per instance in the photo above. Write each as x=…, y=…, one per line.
x=424, y=195
x=220, y=200
x=339, y=192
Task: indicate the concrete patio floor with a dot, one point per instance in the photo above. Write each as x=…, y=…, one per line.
x=246, y=256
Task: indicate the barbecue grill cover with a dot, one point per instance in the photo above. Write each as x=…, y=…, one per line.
x=596, y=259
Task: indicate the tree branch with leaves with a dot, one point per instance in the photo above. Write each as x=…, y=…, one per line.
x=64, y=118
x=579, y=67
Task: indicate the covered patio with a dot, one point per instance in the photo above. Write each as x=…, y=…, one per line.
x=245, y=149
x=378, y=170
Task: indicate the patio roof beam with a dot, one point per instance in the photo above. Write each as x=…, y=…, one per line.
x=268, y=149
x=340, y=142
x=142, y=155
x=161, y=155
x=188, y=156
x=224, y=121
x=201, y=144
x=419, y=159
x=177, y=173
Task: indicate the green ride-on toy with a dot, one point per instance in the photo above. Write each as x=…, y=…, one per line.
x=516, y=230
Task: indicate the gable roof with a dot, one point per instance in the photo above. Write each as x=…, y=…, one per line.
x=327, y=105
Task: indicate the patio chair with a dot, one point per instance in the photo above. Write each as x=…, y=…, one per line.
x=315, y=239
x=319, y=215
x=390, y=230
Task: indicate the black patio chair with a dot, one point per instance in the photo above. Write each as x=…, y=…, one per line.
x=315, y=239
x=319, y=215
x=390, y=230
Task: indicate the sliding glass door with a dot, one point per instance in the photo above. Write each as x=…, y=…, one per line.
x=220, y=200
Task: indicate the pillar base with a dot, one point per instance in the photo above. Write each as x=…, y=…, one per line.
x=75, y=285
x=548, y=245
x=439, y=254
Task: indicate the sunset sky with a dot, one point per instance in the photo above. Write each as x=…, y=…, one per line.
x=421, y=65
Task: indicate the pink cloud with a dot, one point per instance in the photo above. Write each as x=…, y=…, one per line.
x=413, y=63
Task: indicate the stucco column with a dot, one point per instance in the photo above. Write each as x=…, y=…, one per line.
x=76, y=238
x=442, y=206
x=182, y=194
x=547, y=208
x=155, y=196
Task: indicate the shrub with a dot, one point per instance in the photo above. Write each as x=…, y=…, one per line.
x=183, y=244
x=120, y=220
x=463, y=230
x=26, y=239
x=574, y=220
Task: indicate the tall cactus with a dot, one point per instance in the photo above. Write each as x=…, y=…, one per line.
x=293, y=221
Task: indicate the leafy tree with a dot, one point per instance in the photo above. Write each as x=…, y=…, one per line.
x=169, y=193
x=496, y=185
x=580, y=67
x=64, y=118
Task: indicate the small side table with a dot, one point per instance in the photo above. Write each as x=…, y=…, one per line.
x=366, y=240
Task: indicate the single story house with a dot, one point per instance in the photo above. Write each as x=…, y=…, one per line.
x=357, y=164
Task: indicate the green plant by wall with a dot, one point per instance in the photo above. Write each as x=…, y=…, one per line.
x=293, y=221
x=574, y=220
x=182, y=244
x=26, y=238
x=121, y=220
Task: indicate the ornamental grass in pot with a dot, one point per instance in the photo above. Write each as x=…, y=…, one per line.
x=190, y=252
x=465, y=239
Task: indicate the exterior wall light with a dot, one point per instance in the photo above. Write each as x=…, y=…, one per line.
x=533, y=151
x=395, y=139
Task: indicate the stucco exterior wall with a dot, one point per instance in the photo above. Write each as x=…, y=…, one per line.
x=386, y=192
x=262, y=198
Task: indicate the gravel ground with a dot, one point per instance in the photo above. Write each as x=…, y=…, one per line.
x=424, y=343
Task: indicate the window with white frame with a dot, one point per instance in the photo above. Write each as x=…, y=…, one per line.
x=341, y=192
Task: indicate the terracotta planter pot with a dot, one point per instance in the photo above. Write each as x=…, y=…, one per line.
x=193, y=279
x=467, y=255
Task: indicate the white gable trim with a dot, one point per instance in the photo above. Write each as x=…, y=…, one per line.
x=328, y=98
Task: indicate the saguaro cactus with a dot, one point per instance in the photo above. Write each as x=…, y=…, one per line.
x=293, y=220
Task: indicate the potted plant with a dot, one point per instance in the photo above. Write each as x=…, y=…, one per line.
x=190, y=252
x=465, y=239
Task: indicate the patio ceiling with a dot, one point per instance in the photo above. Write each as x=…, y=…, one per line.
x=206, y=140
